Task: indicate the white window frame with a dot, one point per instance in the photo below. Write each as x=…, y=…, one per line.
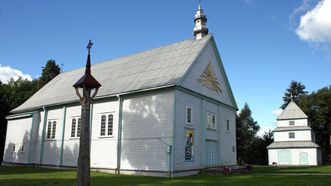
x=211, y=120
x=77, y=119
x=191, y=118
x=50, y=130
x=107, y=125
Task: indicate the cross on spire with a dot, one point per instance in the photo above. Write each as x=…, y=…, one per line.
x=89, y=46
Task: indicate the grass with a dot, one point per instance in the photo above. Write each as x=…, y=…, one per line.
x=26, y=176
x=298, y=169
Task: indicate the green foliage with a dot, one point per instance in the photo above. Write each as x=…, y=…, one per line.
x=296, y=90
x=48, y=73
x=14, y=93
x=317, y=106
x=246, y=129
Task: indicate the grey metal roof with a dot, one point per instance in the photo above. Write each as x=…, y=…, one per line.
x=292, y=111
x=279, y=129
x=159, y=67
x=292, y=144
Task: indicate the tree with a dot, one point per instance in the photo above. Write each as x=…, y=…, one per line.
x=16, y=92
x=317, y=106
x=246, y=129
x=296, y=90
x=48, y=73
x=261, y=144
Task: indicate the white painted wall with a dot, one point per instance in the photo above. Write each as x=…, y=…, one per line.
x=225, y=139
x=295, y=153
x=70, y=145
x=18, y=134
x=147, y=131
x=301, y=135
x=184, y=100
x=104, y=148
x=51, y=154
x=228, y=143
x=297, y=122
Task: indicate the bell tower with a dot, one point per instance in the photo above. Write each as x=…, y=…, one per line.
x=200, y=20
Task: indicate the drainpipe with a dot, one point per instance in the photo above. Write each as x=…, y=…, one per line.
x=31, y=136
x=119, y=134
x=63, y=130
x=43, y=136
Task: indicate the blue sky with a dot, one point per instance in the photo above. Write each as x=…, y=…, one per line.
x=263, y=44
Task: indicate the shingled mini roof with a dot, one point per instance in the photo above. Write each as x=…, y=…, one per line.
x=87, y=80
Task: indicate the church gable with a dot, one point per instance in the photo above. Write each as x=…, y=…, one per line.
x=207, y=76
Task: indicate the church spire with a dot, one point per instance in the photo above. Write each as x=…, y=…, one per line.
x=200, y=20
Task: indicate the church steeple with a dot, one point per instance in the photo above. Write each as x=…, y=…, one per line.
x=200, y=20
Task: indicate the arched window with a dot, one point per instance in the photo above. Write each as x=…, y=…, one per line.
x=110, y=124
x=54, y=129
x=49, y=130
x=103, y=125
x=78, y=126
x=73, y=127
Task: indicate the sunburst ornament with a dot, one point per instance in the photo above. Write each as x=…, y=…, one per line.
x=209, y=79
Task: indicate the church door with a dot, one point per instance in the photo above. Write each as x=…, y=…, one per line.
x=211, y=154
x=284, y=157
x=303, y=158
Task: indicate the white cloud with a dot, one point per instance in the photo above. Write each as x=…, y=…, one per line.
x=6, y=72
x=315, y=24
x=276, y=112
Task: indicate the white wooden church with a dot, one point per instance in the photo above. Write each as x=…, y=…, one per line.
x=168, y=111
x=294, y=139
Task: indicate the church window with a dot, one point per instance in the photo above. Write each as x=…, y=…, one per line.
x=292, y=122
x=54, y=129
x=291, y=135
x=211, y=121
x=107, y=125
x=103, y=125
x=13, y=148
x=51, y=130
x=188, y=115
x=79, y=126
x=110, y=124
x=22, y=148
x=75, y=127
x=227, y=125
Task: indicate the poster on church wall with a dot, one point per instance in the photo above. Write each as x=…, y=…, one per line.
x=189, y=144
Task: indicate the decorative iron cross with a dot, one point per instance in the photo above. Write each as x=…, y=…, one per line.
x=89, y=45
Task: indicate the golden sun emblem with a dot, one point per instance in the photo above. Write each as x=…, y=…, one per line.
x=209, y=79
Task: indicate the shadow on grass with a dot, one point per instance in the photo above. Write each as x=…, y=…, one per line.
x=26, y=170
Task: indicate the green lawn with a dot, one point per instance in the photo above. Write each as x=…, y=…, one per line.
x=24, y=176
x=280, y=169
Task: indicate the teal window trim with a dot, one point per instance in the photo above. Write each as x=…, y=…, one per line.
x=63, y=131
x=203, y=132
x=31, y=135
x=43, y=137
x=119, y=133
x=172, y=155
